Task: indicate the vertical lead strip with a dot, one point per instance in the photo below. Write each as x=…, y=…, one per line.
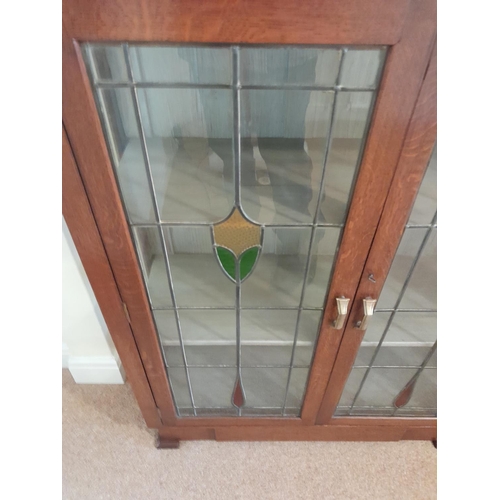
x=236, y=125
x=313, y=232
x=152, y=191
x=237, y=197
x=395, y=310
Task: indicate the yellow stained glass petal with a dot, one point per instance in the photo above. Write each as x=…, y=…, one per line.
x=237, y=233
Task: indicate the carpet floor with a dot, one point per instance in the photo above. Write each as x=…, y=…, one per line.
x=109, y=453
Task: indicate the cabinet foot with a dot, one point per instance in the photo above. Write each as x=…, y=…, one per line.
x=164, y=443
x=435, y=443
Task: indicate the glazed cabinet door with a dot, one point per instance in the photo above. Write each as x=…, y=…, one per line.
x=237, y=164
x=386, y=364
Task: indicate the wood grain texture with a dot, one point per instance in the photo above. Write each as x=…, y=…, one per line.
x=402, y=421
x=176, y=433
x=310, y=433
x=81, y=224
x=421, y=434
x=352, y=429
x=237, y=21
x=243, y=421
x=415, y=155
x=405, y=69
x=84, y=132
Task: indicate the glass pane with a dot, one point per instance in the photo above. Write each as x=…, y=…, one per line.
x=267, y=336
x=167, y=326
x=351, y=387
x=179, y=385
x=149, y=248
x=296, y=390
x=401, y=265
x=425, y=392
x=261, y=325
x=350, y=127
x=212, y=387
x=120, y=123
x=216, y=355
x=412, y=327
x=426, y=203
x=390, y=355
x=323, y=251
x=289, y=65
x=383, y=385
x=264, y=387
x=189, y=141
x=361, y=68
x=279, y=274
x=195, y=272
x=235, y=268
x=284, y=134
x=309, y=325
x=107, y=63
x=377, y=326
x=422, y=290
x=208, y=324
x=200, y=65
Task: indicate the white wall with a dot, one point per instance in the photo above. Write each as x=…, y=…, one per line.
x=88, y=350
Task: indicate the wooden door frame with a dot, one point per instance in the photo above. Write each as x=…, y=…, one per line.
x=417, y=149
x=408, y=27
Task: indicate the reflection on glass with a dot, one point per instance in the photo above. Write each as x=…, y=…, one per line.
x=189, y=140
x=401, y=265
x=125, y=147
x=422, y=291
x=283, y=141
x=201, y=65
x=412, y=327
x=278, y=277
x=352, y=111
x=148, y=244
x=323, y=251
x=195, y=271
x=382, y=385
x=169, y=118
x=107, y=63
x=289, y=66
x=361, y=68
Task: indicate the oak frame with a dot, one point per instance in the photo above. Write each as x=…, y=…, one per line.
x=408, y=27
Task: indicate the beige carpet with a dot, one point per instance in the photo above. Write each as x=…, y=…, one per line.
x=109, y=453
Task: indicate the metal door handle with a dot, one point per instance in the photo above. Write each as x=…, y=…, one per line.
x=342, y=305
x=368, y=308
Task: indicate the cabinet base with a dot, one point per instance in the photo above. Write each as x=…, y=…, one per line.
x=355, y=429
x=165, y=443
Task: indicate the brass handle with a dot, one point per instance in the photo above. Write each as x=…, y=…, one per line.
x=368, y=308
x=342, y=305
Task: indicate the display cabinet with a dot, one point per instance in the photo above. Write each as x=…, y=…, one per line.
x=252, y=191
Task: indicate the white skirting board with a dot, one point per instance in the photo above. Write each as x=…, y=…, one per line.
x=96, y=370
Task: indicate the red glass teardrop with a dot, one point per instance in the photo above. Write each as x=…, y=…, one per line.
x=404, y=396
x=238, y=394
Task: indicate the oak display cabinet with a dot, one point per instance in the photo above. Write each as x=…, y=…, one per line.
x=252, y=191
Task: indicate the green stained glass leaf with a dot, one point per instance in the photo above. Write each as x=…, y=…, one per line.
x=227, y=261
x=247, y=261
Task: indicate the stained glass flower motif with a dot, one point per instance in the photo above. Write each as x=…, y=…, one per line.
x=237, y=244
